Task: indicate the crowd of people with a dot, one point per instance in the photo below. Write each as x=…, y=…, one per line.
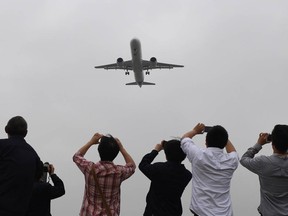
x=23, y=192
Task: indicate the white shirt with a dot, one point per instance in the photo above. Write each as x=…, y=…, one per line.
x=212, y=170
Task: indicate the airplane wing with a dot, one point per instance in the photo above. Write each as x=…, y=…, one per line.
x=157, y=65
x=126, y=65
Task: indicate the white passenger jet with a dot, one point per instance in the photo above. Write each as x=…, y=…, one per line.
x=138, y=65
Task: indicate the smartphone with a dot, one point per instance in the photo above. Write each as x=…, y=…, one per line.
x=269, y=138
x=207, y=128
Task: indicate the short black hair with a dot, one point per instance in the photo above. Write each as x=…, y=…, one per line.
x=173, y=151
x=16, y=126
x=280, y=137
x=108, y=148
x=217, y=137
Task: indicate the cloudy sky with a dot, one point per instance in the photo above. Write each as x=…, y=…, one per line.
x=235, y=74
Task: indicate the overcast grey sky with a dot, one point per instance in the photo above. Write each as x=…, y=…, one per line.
x=235, y=74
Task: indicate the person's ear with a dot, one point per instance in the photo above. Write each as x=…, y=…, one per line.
x=7, y=129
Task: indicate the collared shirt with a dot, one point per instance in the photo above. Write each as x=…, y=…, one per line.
x=168, y=181
x=273, y=177
x=110, y=177
x=212, y=170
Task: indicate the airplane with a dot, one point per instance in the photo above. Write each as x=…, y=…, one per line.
x=138, y=65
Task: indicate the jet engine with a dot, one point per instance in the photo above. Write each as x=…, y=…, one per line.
x=119, y=61
x=153, y=61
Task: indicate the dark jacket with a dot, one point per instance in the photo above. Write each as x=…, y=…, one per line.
x=168, y=181
x=18, y=164
x=42, y=195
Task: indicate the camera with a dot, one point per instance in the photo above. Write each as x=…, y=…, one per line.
x=45, y=172
x=207, y=129
x=46, y=167
x=269, y=138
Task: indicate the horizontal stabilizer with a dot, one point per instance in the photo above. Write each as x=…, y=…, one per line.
x=147, y=83
x=132, y=83
x=140, y=84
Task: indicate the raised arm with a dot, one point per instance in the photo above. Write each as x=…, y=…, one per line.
x=229, y=147
x=198, y=129
x=94, y=140
x=58, y=189
x=126, y=155
x=248, y=160
x=145, y=165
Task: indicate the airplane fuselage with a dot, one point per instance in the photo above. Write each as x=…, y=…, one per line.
x=137, y=61
x=137, y=64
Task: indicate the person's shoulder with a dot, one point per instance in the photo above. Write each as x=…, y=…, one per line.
x=30, y=148
x=128, y=166
x=3, y=142
x=185, y=170
x=7, y=144
x=233, y=154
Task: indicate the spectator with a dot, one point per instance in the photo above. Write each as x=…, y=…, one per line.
x=18, y=165
x=108, y=176
x=212, y=170
x=168, y=180
x=272, y=171
x=44, y=192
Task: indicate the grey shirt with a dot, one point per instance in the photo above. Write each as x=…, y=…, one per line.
x=273, y=177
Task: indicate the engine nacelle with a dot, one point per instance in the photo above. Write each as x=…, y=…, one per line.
x=119, y=61
x=153, y=61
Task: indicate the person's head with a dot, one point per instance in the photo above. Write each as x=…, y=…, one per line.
x=16, y=126
x=108, y=148
x=173, y=151
x=280, y=138
x=217, y=137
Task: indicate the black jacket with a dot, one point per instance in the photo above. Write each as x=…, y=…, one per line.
x=42, y=195
x=18, y=164
x=168, y=181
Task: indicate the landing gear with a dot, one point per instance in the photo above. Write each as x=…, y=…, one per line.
x=147, y=73
x=126, y=73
